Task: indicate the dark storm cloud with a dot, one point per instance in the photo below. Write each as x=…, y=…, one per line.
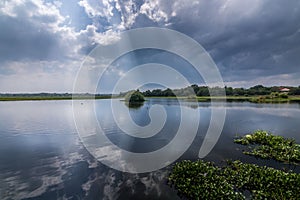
x=261, y=43
x=22, y=40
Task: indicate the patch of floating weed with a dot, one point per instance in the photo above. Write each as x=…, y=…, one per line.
x=268, y=146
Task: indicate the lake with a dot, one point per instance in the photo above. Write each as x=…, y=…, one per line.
x=42, y=156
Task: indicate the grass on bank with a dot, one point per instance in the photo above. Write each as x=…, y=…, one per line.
x=237, y=180
x=41, y=98
x=268, y=146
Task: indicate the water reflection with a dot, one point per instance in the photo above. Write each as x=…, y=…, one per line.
x=134, y=105
x=43, y=158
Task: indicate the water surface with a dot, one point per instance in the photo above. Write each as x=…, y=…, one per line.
x=42, y=157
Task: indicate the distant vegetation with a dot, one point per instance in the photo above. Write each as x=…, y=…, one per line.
x=216, y=91
x=256, y=94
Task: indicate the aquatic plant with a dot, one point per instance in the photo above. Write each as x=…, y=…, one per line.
x=201, y=180
x=263, y=182
x=236, y=180
x=268, y=146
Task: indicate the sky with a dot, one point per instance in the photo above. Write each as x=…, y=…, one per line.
x=43, y=43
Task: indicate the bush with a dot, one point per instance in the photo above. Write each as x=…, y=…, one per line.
x=134, y=96
x=274, y=94
x=283, y=95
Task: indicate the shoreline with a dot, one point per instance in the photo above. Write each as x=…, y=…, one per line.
x=251, y=99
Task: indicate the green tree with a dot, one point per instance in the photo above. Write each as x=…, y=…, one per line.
x=134, y=96
x=229, y=91
x=295, y=91
x=203, y=91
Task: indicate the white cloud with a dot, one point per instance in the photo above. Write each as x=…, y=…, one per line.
x=36, y=11
x=129, y=10
x=152, y=9
x=102, y=8
x=35, y=26
x=274, y=80
x=36, y=76
x=41, y=52
x=91, y=36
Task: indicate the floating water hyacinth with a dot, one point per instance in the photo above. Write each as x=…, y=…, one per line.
x=268, y=146
x=237, y=180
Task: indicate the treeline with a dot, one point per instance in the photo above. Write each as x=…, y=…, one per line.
x=217, y=91
x=187, y=91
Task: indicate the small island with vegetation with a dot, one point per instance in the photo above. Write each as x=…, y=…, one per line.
x=134, y=99
x=134, y=96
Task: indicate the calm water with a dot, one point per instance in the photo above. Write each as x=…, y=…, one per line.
x=41, y=156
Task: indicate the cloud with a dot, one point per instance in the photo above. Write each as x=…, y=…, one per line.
x=279, y=80
x=97, y=8
x=33, y=30
x=153, y=11
x=248, y=40
x=39, y=48
x=91, y=36
x=37, y=76
x=244, y=37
